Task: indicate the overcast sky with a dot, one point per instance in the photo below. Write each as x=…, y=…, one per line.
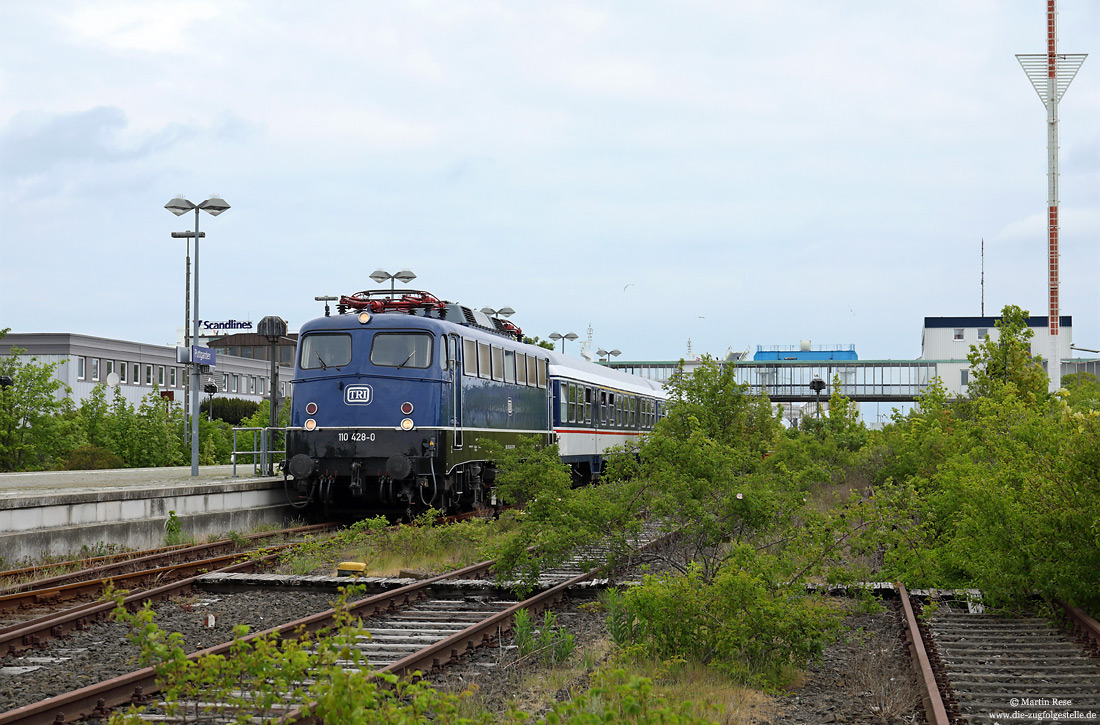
x=737, y=173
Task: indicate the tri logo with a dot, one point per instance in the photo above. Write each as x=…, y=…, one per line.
x=358, y=394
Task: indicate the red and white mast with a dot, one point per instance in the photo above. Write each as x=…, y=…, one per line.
x=1050, y=74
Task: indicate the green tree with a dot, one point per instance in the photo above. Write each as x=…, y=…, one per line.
x=1082, y=391
x=1005, y=366
x=33, y=433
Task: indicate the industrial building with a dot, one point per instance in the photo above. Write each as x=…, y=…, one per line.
x=86, y=361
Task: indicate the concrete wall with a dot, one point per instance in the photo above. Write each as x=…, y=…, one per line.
x=61, y=523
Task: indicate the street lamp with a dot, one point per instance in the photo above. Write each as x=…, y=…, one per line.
x=607, y=354
x=213, y=206
x=381, y=275
x=817, y=385
x=571, y=336
x=502, y=312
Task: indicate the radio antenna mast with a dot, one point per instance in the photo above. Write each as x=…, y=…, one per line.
x=1050, y=74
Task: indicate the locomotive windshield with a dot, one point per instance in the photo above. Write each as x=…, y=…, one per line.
x=401, y=350
x=325, y=351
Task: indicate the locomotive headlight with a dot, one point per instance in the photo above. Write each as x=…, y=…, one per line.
x=406, y=424
x=311, y=408
x=406, y=408
x=311, y=424
x=364, y=317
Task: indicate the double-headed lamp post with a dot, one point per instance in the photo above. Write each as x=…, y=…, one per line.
x=502, y=312
x=608, y=354
x=381, y=275
x=214, y=206
x=570, y=336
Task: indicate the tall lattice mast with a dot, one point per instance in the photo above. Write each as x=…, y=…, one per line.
x=1050, y=74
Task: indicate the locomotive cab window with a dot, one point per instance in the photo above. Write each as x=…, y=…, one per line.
x=325, y=351
x=401, y=350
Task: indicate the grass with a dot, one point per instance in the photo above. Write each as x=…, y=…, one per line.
x=715, y=696
x=387, y=550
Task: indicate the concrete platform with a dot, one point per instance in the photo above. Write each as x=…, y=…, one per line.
x=58, y=512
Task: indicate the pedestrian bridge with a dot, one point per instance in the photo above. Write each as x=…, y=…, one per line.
x=788, y=381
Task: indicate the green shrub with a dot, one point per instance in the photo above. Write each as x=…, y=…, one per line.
x=739, y=622
x=87, y=458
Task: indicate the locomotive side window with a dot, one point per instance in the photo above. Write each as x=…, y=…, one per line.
x=469, y=357
x=325, y=350
x=498, y=362
x=532, y=376
x=401, y=350
x=509, y=366
x=542, y=372
x=483, y=357
x=521, y=368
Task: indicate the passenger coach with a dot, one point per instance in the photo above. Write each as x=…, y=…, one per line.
x=394, y=393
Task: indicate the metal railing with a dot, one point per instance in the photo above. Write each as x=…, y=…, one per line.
x=263, y=452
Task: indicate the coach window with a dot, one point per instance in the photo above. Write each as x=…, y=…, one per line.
x=521, y=368
x=631, y=402
x=601, y=415
x=498, y=362
x=509, y=366
x=469, y=357
x=327, y=350
x=563, y=401
x=542, y=363
x=401, y=350
x=572, y=402
x=611, y=410
x=483, y=358
x=532, y=376
x=588, y=405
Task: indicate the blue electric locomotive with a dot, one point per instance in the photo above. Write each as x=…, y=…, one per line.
x=393, y=394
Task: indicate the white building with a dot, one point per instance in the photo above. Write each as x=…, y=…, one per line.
x=87, y=361
x=947, y=341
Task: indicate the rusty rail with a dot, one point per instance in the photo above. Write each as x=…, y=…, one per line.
x=137, y=686
x=1086, y=629
x=934, y=710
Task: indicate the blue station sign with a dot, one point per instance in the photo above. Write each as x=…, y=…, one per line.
x=202, y=355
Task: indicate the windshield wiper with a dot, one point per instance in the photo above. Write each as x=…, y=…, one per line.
x=323, y=366
x=406, y=359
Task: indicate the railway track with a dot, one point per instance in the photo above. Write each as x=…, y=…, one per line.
x=981, y=669
x=423, y=626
